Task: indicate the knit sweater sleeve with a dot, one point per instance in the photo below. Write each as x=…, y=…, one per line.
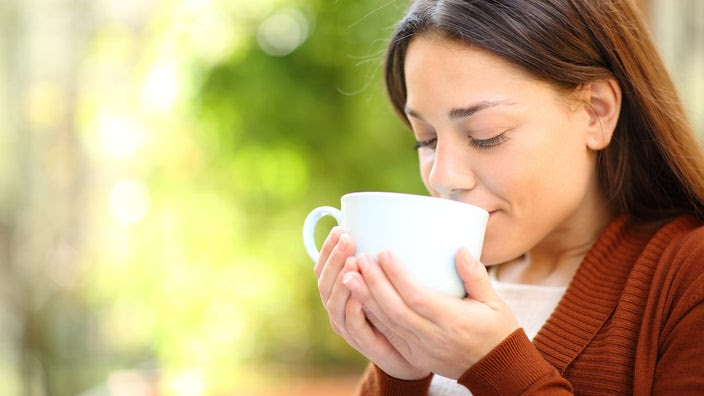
x=679, y=365
x=515, y=367
x=375, y=382
x=680, y=368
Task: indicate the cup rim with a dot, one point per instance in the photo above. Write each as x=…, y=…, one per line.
x=426, y=198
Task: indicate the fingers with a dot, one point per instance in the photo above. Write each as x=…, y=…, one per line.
x=475, y=277
x=419, y=298
x=386, y=297
x=333, y=265
x=328, y=245
x=374, y=314
x=354, y=282
x=359, y=332
x=359, y=328
x=336, y=252
x=338, y=298
x=347, y=315
x=356, y=324
x=365, y=337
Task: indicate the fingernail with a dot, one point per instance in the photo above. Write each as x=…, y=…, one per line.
x=348, y=280
x=466, y=257
x=363, y=261
x=344, y=240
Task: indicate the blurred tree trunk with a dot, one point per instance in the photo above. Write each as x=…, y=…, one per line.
x=12, y=314
x=40, y=229
x=679, y=33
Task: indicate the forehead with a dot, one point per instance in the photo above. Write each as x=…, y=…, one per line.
x=448, y=66
x=442, y=73
x=449, y=61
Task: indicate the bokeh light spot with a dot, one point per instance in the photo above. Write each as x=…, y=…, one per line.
x=120, y=136
x=161, y=87
x=189, y=383
x=129, y=202
x=283, y=32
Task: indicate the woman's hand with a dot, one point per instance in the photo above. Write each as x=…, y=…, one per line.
x=432, y=330
x=347, y=315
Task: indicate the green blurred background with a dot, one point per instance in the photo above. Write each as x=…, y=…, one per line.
x=157, y=159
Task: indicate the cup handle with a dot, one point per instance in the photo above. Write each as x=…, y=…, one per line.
x=309, y=227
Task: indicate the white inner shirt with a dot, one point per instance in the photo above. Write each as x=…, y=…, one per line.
x=532, y=305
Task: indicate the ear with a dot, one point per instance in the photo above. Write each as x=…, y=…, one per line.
x=602, y=103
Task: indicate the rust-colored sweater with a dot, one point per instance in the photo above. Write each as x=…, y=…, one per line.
x=630, y=322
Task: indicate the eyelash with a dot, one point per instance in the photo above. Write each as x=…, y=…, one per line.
x=482, y=144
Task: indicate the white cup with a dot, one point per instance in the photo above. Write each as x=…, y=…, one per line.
x=423, y=232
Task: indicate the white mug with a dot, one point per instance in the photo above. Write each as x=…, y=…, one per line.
x=423, y=232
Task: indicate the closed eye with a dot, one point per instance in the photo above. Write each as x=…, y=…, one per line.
x=489, y=143
x=430, y=143
x=482, y=144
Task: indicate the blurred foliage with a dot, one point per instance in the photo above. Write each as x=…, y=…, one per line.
x=213, y=278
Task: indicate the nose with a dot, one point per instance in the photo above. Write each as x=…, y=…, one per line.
x=451, y=171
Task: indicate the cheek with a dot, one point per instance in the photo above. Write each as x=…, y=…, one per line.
x=540, y=166
x=508, y=176
x=425, y=162
x=531, y=179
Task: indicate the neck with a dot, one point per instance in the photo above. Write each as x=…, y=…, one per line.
x=542, y=267
x=555, y=260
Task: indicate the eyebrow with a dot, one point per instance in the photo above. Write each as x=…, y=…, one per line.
x=463, y=112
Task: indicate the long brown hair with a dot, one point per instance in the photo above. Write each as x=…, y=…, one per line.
x=653, y=168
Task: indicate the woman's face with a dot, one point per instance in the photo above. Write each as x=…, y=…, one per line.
x=492, y=136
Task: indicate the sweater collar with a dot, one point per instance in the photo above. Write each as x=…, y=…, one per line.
x=593, y=293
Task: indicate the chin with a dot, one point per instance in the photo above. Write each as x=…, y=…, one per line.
x=492, y=248
x=498, y=251
x=490, y=257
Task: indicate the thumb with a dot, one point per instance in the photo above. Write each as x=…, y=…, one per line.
x=475, y=278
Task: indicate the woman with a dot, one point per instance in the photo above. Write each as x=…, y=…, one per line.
x=558, y=117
